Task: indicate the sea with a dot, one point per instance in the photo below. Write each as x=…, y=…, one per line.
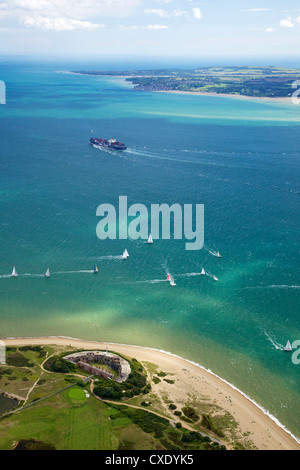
x=238, y=157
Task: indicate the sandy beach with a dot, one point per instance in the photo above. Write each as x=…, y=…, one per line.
x=193, y=380
x=287, y=100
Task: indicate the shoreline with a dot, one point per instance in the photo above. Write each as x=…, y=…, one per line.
x=267, y=433
x=282, y=100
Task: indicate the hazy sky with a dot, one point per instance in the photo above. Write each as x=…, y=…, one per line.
x=145, y=28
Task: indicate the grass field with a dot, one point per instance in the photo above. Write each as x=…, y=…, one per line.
x=70, y=421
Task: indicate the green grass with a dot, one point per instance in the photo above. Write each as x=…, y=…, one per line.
x=69, y=421
x=65, y=421
x=77, y=395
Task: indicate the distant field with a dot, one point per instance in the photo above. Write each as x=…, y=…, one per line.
x=271, y=82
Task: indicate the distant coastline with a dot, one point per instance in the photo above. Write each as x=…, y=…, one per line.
x=283, y=100
x=266, y=431
x=272, y=83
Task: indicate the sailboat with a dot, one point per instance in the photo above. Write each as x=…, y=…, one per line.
x=203, y=272
x=215, y=278
x=172, y=282
x=219, y=255
x=288, y=347
x=125, y=255
x=150, y=239
x=168, y=277
x=47, y=273
x=96, y=269
x=14, y=272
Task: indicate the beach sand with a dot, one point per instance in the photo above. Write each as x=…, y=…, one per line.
x=191, y=382
x=283, y=100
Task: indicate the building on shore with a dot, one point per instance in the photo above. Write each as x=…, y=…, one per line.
x=91, y=362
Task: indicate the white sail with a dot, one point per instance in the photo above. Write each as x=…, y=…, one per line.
x=172, y=282
x=219, y=255
x=288, y=347
x=215, y=278
x=47, y=273
x=14, y=272
x=150, y=239
x=203, y=272
x=125, y=254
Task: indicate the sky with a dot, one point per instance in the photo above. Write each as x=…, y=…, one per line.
x=150, y=28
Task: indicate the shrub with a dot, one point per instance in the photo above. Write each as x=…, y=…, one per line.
x=190, y=413
x=18, y=360
x=208, y=423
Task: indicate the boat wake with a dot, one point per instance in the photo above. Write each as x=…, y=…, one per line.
x=142, y=153
x=213, y=253
x=190, y=274
x=89, y=271
x=280, y=286
x=151, y=281
x=212, y=276
x=31, y=275
x=273, y=341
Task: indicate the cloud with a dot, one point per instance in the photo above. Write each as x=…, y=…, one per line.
x=253, y=10
x=159, y=12
x=270, y=30
x=157, y=26
x=36, y=12
x=197, y=13
x=180, y=13
x=165, y=14
x=47, y=23
x=289, y=22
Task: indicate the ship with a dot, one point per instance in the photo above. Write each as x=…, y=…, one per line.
x=111, y=144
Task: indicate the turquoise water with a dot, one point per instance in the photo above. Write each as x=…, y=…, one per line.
x=238, y=157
